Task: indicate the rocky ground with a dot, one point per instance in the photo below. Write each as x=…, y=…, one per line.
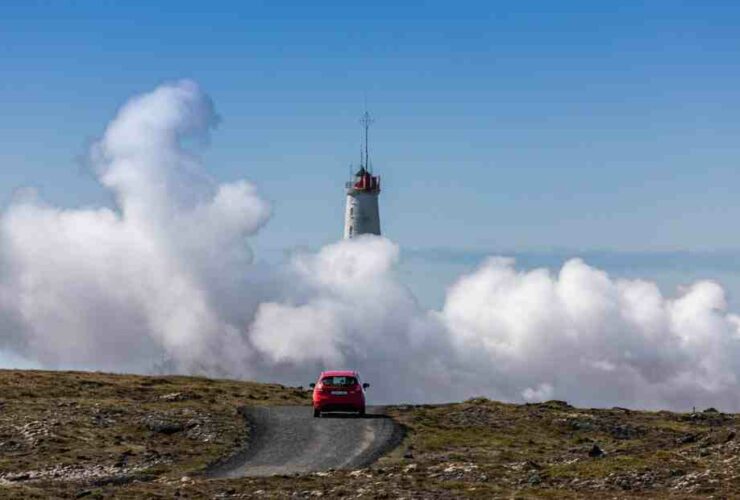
x=95, y=435
x=68, y=431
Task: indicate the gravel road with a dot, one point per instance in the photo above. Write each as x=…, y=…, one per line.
x=288, y=439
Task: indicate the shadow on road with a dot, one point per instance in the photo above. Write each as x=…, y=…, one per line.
x=352, y=415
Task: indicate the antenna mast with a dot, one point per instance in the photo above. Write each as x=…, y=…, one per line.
x=366, y=120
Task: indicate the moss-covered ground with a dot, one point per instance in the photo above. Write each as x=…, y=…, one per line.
x=71, y=434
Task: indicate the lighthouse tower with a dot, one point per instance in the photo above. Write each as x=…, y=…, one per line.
x=361, y=215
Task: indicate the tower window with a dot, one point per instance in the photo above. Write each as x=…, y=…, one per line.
x=351, y=230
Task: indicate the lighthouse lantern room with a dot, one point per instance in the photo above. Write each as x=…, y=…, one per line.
x=361, y=214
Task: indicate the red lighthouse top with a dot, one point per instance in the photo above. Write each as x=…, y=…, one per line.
x=365, y=181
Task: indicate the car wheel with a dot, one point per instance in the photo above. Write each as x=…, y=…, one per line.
x=316, y=414
x=361, y=413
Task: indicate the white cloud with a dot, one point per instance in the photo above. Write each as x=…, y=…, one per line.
x=542, y=392
x=167, y=279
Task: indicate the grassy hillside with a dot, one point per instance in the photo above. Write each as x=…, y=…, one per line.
x=98, y=435
x=94, y=428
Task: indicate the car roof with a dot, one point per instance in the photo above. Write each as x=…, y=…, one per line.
x=339, y=373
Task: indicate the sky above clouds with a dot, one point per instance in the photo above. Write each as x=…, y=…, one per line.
x=500, y=125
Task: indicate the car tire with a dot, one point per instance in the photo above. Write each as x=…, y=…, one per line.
x=361, y=413
x=316, y=414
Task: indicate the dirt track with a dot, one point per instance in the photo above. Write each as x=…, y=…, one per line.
x=286, y=440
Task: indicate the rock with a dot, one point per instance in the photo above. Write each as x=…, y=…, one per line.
x=556, y=403
x=624, y=432
x=534, y=479
x=83, y=493
x=581, y=425
x=174, y=396
x=184, y=479
x=21, y=476
x=722, y=436
x=409, y=455
x=164, y=426
x=688, y=438
x=596, y=452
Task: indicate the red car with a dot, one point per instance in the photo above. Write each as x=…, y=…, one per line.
x=339, y=390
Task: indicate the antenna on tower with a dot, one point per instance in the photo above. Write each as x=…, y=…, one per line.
x=366, y=121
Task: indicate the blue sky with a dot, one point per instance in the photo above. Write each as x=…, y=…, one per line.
x=501, y=126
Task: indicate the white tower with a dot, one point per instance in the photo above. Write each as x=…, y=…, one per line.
x=361, y=215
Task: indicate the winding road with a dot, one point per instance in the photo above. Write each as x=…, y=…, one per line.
x=288, y=439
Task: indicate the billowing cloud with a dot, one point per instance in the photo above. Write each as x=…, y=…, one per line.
x=583, y=336
x=119, y=289
x=165, y=281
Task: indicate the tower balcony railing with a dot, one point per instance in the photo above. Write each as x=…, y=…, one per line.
x=357, y=186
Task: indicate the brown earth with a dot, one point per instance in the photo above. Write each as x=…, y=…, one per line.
x=96, y=435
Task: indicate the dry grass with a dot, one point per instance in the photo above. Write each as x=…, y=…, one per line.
x=478, y=448
x=96, y=427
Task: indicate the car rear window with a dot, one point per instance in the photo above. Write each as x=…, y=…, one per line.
x=339, y=381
